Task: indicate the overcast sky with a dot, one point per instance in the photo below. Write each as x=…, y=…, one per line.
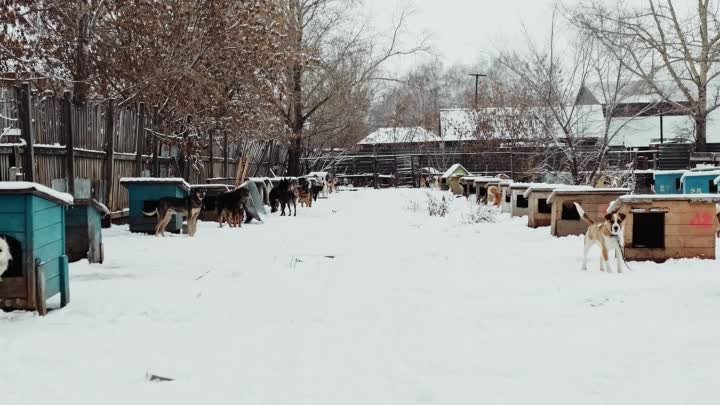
x=462, y=30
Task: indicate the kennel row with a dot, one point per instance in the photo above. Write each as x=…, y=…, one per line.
x=657, y=228
x=694, y=181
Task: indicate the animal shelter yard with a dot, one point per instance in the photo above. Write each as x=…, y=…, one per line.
x=366, y=299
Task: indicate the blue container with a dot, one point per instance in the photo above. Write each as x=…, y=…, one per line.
x=669, y=182
x=32, y=220
x=700, y=182
x=144, y=193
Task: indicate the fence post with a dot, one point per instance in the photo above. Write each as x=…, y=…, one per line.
x=26, y=128
x=226, y=163
x=155, y=142
x=211, y=154
x=109, y=152
x=412, y=171
x=375, y=172
x=140, y=141
x=69, y=142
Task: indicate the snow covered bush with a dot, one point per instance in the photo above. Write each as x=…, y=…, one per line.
x=412, y=205
x=437, y=204
x=475, y=213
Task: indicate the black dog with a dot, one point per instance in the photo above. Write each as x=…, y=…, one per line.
x=283, y=195
x=316, y=189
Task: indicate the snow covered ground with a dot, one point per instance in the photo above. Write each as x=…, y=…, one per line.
x=361, y=300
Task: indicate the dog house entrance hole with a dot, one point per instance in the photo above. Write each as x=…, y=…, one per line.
x=543, y=206
x=508, y=197
x=713, y=187
x=15, y=267
x=649, y=230
x=522, y=202
x=569, y=212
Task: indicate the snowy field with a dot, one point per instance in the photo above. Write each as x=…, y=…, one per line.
x=363, y=300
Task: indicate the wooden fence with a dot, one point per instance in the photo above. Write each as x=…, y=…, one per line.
x=60, y=140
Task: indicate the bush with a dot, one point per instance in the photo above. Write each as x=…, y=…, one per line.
x=479, y=213
x=437, y=206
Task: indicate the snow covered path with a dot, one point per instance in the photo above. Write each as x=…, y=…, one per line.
x=360, y=301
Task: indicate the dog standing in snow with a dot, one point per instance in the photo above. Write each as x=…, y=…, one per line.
x=5, y=256
x=608, y=235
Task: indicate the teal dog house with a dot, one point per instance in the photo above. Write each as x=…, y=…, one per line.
x=668, y=181
x=32, y=221
x=144, y=194
x=700, y=181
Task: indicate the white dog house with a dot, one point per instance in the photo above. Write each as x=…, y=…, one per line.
x=506, y=206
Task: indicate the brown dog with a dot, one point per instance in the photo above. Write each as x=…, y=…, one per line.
x=607, y=235
x=494, y=196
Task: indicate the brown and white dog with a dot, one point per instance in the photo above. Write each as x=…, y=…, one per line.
x=608, y=235
x=188, y=207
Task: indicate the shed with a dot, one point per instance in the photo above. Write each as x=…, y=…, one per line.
x=144, y=193
x=32, y=220
x=506, y=206
x=667, y=182
x=644, y=181
x=83, y=222
x=457, y=170
x=700, y=181
x=539, y=208
x=565, y=219
x=518, y=203
x=661, y=227
x=209, y=205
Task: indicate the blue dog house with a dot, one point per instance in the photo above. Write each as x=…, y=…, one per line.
x=668, y=181
x=700, y=181
x=32, y=221
x=83, y=222
x=144, y=194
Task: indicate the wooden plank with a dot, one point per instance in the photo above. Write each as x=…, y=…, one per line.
x=26, y=129
x=140, y=141
x=69, y=142
x=13, y=287
x=47, y=217
x=48, y=235
x=12, y=204
x=108, y=169
x=155, y=142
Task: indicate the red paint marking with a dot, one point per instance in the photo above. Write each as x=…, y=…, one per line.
x=703, y=220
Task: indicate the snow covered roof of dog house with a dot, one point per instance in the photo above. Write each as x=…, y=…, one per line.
x=520, y=186
x=224, y=187
x=650, y=198
x=456, y=169
x=26, y=187
x=157, y=180
x=505, y=183
x=701, y=173
x=580, y=191
x=399, y=135
x=487, y=180
x=321, y=175
x=668, y=172
x=544, y=188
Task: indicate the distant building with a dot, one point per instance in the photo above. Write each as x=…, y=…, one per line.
x=398, y=138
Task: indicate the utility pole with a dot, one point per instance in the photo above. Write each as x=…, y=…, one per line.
x=477, y=77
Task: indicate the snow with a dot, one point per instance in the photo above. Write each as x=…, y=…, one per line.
x=26, y=185
x=292, y=311
x=542, y=187
x=639, y=198
x=172, y=180
x=451, y=171
x=668, y=172
x=700, y=173
x=399, y=135
x=717, y=180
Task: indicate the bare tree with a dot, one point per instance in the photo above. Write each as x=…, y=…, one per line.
x=663, y=44
x=334, y=56
x=578, y=136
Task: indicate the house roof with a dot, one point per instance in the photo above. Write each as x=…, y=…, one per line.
x=399, y=135
x=449, y=172
x=648, y=198
x=25, y=187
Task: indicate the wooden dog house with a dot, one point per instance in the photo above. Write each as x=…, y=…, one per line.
x=481, y=186
x=667, y=182
x=700, y=182
x=661, y=227
x=539, y=208
x=519, y=204
x=144, y=192
x=468, y=185
x=506, y=206
x=644, y=181
x=32, y=220
x=322, y=178
x=452, y=176
x=565, y=219
x=83, y=222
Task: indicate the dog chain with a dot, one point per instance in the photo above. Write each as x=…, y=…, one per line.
x=622, y=252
